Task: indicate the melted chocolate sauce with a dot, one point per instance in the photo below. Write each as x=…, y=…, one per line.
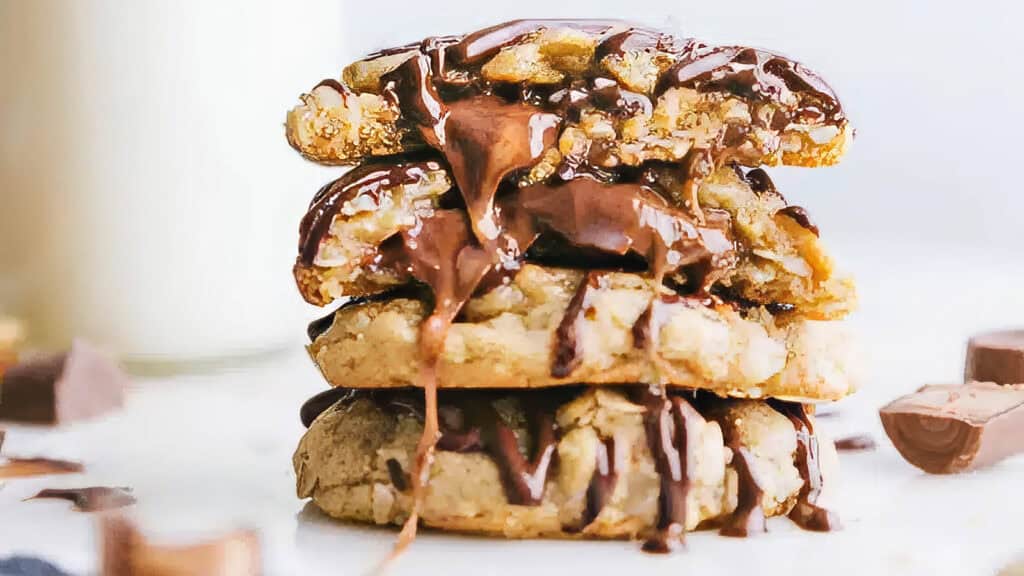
x=602, y=482
x=483, y=44
x=621, y=218
x=486, y=139
x=668, y=421
x=367, y=179
x=753, y=74
x=800, y=216
x=337, y=86
x=568, y=351
x=807, y=514
x=318, y=404
x=321, y=325
x=524, y=479
x=748, y=516
x=640, y=40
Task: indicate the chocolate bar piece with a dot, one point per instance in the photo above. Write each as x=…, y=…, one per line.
x=78, y=384
x=126, y=552
x=996, y=357
x=91, y=499
x=943, y=429
x=28, y=467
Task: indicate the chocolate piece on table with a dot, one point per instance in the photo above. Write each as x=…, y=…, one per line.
x=996, y=357
x=91, y=499
x=944, y=429
x=855, y=443
x=78, y=384
x=27, y=467
x=126, y=552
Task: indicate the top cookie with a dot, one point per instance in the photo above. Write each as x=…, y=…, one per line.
x=615, y=94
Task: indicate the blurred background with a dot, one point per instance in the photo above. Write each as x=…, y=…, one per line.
x=150, y=201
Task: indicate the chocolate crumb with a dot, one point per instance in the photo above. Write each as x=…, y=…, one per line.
x=91, y=499
x=856, y=443
x=398, y=476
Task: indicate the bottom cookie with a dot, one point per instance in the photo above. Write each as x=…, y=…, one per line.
x=592, y=462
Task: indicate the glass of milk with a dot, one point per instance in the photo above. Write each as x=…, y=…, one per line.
x=148, y=198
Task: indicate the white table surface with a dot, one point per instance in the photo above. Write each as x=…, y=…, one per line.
x=212, y=452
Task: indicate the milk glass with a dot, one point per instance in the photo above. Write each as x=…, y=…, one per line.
x=149, y=200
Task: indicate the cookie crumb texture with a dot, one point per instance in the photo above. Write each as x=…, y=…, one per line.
x=347, y=463
x=508, y=338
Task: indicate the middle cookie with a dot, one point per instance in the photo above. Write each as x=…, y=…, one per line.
x=552, y=326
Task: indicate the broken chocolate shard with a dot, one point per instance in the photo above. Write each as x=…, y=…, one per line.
x=857, y=443
x=126, y=552
x=79, y=384
x=91, y=499
x=28, y=467
x=996, y=357
x=945, y=429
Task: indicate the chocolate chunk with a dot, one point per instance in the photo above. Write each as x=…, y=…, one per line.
x=28, y=566
x=857, y=443
x=944, y=429
x=91, y=499
x=316, y=405
x=126, y=552
x=78, y=384
x=26, y=467
x=996, y=357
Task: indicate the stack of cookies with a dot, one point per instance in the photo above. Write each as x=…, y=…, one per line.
x=572, y=304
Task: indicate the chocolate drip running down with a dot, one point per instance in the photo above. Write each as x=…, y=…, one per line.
x=748, y=516
x=670, y=422
x=602, y=482
x=806, y=513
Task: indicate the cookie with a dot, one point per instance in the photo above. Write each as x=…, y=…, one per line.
x=779, y=259
x=629, y=95
x=589, y=470
x=529, y=334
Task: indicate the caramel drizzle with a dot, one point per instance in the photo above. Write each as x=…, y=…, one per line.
x=806, y=513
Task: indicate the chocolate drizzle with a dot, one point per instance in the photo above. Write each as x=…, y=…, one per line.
x=483, y=44
x=669, y=421
x=801, y=217
x=568, y=354
x=640, y=40
x=755, y=74
x=318, y=404
x=524, y=479
x=807, y=514
x=368, y=179
x=748, y=516
x=602, y=482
